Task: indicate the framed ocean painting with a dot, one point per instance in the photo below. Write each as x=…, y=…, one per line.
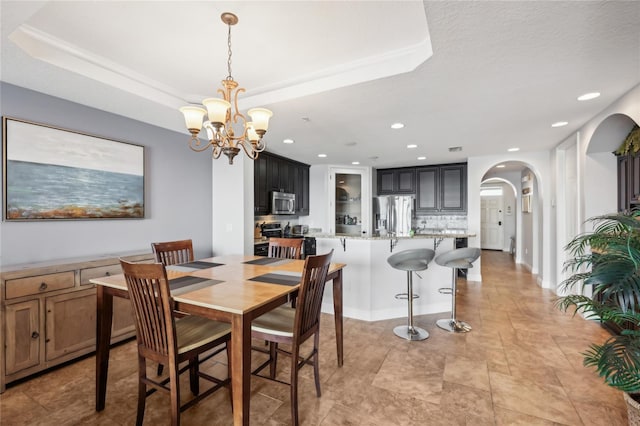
x=57, y=174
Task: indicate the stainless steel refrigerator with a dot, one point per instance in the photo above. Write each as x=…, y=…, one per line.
x=392, y=215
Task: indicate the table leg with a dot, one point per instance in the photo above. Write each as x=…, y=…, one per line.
x=337, y=313
x=104, y=300
x=241, y=368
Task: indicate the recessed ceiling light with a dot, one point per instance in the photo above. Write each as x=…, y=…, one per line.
x=322, y=155
x=411, y=146
x=588, y=96
x=397, y=126
x=513, y=149
x=422, y=158
x=287, y=141
x=500, y=166
x=355, y=163
x=559, y=123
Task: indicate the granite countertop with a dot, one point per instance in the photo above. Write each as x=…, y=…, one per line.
x=429, y=233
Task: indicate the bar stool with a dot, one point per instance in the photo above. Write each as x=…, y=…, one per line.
x=461, y=258
x=410, y=260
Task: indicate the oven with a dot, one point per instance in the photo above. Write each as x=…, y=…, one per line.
x=261, y=249
x=274, y=229
x=267, y=230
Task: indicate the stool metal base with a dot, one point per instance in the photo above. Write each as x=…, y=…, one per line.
x=453, y=325
x=410, y=333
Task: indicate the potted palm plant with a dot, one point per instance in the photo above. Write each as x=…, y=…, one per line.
x=608, y=261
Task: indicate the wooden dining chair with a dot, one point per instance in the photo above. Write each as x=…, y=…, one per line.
x=163, y=338
x=286, y=248
x=173, y=252
x=294, y=326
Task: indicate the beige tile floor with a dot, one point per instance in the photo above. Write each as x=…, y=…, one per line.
x=520, y=365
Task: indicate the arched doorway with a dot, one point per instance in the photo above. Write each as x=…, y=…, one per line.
x=520, y=218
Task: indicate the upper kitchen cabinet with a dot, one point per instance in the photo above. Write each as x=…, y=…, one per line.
x=301, y=188
x=397, y=181
x=453, y=188
x=261, y=185
x=275, y=173
x=442, y=189
x=428, y=190
x=628, y=182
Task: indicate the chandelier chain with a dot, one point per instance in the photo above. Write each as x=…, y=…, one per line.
x=229, y=77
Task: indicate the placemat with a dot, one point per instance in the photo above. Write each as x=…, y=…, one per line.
x=185, y=284
x=193, y=266
x=273, y=261
x=282, y=278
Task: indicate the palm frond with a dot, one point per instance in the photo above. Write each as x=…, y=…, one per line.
x=607, y=260
x=617, y=361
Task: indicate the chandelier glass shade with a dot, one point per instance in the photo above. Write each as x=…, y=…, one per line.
x=219, y=116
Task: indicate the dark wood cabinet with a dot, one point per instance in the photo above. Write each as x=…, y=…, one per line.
x=301, y=189
x=442, y=189
x=427, y=193
x=275, y=173
x=628, y=182
x=438, y=188
x=453, y=188
x=397, y=181
x=261, y=185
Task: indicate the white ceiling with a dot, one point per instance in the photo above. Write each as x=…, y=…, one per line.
x=483, y=75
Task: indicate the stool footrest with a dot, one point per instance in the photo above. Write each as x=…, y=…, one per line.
x=445, y=290
x=405, y=296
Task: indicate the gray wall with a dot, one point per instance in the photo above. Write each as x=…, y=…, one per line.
x=177, y=188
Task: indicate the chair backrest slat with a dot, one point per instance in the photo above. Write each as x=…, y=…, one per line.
x=309, y=302
x=152, y=305
x=173, y=252
x=286, y=248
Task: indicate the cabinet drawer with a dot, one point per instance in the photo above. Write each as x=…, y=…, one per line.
x=100, y=271
x=39, y=284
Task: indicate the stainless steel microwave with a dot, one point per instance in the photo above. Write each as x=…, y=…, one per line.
x=283, y=203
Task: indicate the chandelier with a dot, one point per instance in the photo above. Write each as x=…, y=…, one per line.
x=220, y=117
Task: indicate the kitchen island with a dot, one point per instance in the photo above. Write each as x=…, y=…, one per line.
x=370, y=283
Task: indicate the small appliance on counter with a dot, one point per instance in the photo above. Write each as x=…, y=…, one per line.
x=300, y=230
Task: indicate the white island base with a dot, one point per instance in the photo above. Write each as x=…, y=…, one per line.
x=370, y=283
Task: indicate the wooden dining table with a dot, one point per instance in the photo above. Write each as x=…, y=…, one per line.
x=231, y=288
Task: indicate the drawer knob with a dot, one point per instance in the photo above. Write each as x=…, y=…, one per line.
x=43, y=286
x=108, y=274
x=35, y=335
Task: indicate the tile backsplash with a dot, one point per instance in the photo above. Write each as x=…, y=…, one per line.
x=440, y=222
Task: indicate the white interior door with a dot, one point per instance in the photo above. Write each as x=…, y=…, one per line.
x=492, y=222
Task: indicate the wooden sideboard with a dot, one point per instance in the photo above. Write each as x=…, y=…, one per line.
x=48, y=313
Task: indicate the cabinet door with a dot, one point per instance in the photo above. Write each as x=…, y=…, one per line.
x=286, y=176
x=405, y=180
x=261, y=185
x=71, y=323
x=301, y=189
x=427, y=193
x=385, y=182
x=22, y=335
x=273, y=174
x=453, y=188
x=623, y=187
x=634, y=181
